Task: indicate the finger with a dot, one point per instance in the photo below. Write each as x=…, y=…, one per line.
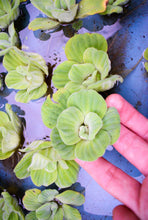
x=130, y=117
x=143, y=203
x=114, y=181
x=134, y=148
x=123, y=213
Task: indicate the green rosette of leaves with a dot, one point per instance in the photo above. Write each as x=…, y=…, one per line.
x=64, y=11
x=45, y=166
x=9, y=11
x=88, y=65
x=26, y=73
x=115, y=6
x=8, y=40
x=52, y=205
x=81, y=123
x=145, y=55
x=10, y=132
x=9, y=208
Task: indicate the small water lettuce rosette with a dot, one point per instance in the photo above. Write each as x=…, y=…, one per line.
x=145, y=55
x=9, y=11
x=9, y=207
x=51, y=205
x=88, y=65
x=10, y=132
x=81, y=123
x=26, y=73
x=115, y=6
x=64, y=11
x=45, y=166
x=8, y=40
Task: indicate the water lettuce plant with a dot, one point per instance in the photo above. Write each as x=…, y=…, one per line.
x=81, y=123
x=9, y=208
x=145, y=55
x=26, y=73
x=64, y=11
x=45, y=166
x=52, y=205
x=115, y=6
x=88, y=65
x=8, y=40
x=9, y=11
x=10, y=132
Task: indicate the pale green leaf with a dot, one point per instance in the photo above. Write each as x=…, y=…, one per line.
x=68, y=124
x=58, y=215
x=88, y=101
x=21, y=169
x=71, y=213
x=111, y=124
x=76, y=46
x=31, y=216
x=66, y=177
x=4, y=119
x=120, y=2
x=60, y=74
x=43, y=177
x=67, y=152
x=112, y=9
x=38, y=162
x=71, y=197
x=92, y=125
x=145, y=55
x=146, y=66
x=44, y=6
x=87, y=7
x=30, y=199
x=80, y=72
x=91, y=150
x=47, y=195
x=43, y=24
x=44, y=212
x=100, y=60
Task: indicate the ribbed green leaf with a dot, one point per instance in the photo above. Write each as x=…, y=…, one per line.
x=58, y=215
x=71, y=213
x=30, y=200
x=43, y=24
x=67, y=152
x=66, y=177
x=60, y=74
x=145, y=55
x=71, y=197
x=31, y=216
x=100, y=60
x=111, y=124
x=68, y=124
x=44, y=212
x=47, y=195
x=91, y=150
x=44, y=6
x=88, y=101
x=92, y=7
x=76, y=46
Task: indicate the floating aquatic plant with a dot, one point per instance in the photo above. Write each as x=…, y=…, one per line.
x=145, y=55
x=8, y=40
x=115, y=6
x=45, y=166
x=81, y=122
x=88, y=65
x=10, y=132
x=64, y=11
x=26, y=72
x=9, y=11
x=50, y=204
x=9, y=208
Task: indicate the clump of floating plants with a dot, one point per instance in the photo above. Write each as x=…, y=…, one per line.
x=9, y=208
x=26, y=73
x=45, y=166
x=115, y=6
x=81, y=123
x=50, y=204
x=10, y=132
x=9, y=11
x=88, y=65
x=8, y=40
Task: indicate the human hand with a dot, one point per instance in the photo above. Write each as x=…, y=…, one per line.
x=133, y=145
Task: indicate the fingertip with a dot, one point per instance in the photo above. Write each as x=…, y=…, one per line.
x=115, y=100
x=121, y=212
